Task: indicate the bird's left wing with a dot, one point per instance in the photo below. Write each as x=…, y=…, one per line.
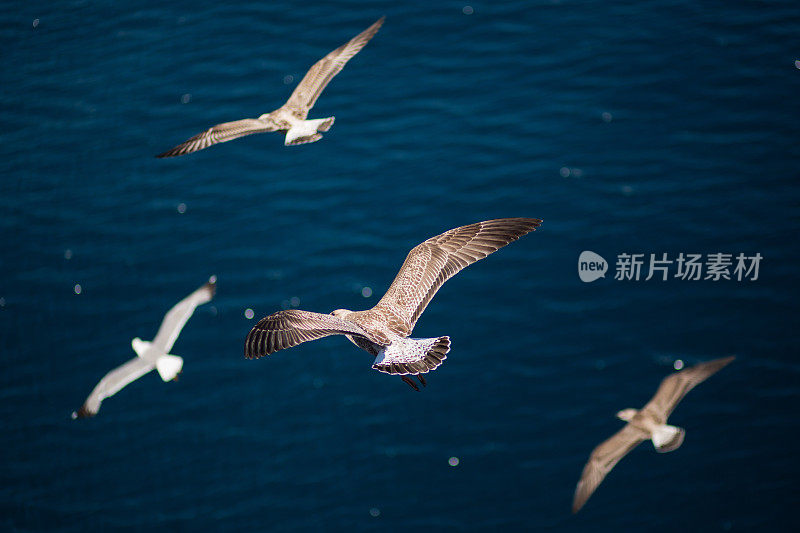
x=112, y=383
x=227, y=131
x=604, y=457
x=285, y=329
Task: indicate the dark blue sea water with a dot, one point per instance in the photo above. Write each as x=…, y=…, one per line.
x=647, y=127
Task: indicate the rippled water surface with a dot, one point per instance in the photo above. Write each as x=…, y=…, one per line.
x=646, y=127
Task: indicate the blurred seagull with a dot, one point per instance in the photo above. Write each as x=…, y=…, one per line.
x=384, y=330
x=290, y=118
x=647, y=423
x=150, y=355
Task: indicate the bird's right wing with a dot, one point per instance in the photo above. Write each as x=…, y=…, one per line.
x=675, y=386
x=176, y=317
x=603, y=459
x=431, y=263
x=112, y=383
x=221, y=133
x=285, y=329
x=318, y=76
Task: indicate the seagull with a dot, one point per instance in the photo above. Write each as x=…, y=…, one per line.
x=150, y=355
x=647, y=423
x=384, y=330
x=291, y=117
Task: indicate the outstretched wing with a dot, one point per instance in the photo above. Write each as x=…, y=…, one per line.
x=285, y=329
x=176, y=317
x=675, y=386
x=112, y=383
x=221, y=133
x=603, y=458
x=436, y=260
x=323, y=71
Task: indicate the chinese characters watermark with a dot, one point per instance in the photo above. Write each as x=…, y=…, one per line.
x=662, y=267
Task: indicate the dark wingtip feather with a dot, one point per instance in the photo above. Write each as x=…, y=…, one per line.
x=211, y=285
x=726, y=360
x=249, y=353
x=254, y=341
x=718, y=364
x=529, y=224
x=168, y=153
x=513, y=228
x=83, y=412
x=709, y=368
x=580, y=498
x=373, y=28
x=181, y=149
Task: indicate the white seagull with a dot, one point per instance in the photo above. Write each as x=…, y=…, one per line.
x=291, y=117
x=384, y=330
x=150, y=355
x=649, y=422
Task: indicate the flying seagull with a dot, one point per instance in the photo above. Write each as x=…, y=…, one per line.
x=150, y=355
x=647, y=423
x=291, y=117
x=384, y=330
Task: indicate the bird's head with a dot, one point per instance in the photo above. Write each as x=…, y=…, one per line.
x=341, y=313
x=139, y=346
x=627, y=414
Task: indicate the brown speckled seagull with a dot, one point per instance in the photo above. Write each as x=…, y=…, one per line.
x=384, y=330
x=291, y=117
x=649, y=422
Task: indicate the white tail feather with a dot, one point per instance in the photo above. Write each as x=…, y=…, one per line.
x=307, y=129
x=412, y=356
x=169, y=366
x=667, y=438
